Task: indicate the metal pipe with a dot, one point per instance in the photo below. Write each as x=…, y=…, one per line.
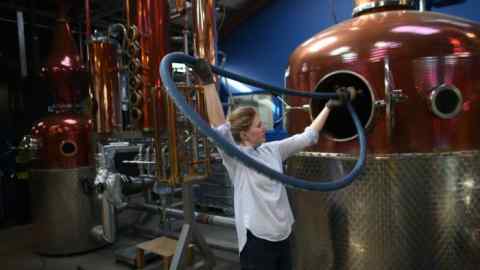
x=202, y=218
x=422, y=5
x=33, y=38
x=111, y=198
x=21, y=44
x=106, y=232
x=151, y=233
x=128, y=14
x=88, y=25
x=205, y=30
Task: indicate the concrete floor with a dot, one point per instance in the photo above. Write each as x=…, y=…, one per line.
x=16, y=252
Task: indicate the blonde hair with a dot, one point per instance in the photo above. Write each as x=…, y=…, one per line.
x=241, y=119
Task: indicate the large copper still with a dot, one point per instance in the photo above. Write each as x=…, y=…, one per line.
x=414, y=206
x=61, y=206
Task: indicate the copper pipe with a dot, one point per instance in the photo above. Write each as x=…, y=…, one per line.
x=127, y=13
x=180, y=5
x=157, y=137
x=88, y=25
x=205, y=30
x=205, y=46
x=172, y=143
x=152, y=23
x=105, y=91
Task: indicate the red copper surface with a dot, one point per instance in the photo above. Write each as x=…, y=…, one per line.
x=152, y=23
x=67, y=75
x=425, y=49
x=63, y=140
x=105, y=91
x=161, y=44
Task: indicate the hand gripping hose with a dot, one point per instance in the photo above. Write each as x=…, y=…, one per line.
x=233, y=151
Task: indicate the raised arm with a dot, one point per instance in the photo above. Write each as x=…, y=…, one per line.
x=319, y=121
x=309, y=137
x=216, y=115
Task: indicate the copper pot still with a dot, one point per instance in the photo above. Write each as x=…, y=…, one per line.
x=416, y=74
x=413, y=206
x=64, y=136
x=62, y=204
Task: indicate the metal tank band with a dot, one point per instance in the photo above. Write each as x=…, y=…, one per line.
x=406, y=211
x=363, y=6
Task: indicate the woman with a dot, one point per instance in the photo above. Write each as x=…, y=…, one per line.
x=263, y=217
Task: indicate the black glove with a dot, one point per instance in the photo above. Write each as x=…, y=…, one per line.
x=334, y=103
x=344, y=94
x=204, y=71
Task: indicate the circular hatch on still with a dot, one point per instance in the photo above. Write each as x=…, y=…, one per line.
x=339, y=125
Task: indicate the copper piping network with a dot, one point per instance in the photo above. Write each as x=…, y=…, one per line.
x=88, y=25
x=205, y=41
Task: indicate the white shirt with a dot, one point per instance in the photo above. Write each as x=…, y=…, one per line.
x=261, y=204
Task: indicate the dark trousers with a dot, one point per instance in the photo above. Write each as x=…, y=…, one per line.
x=260, y=254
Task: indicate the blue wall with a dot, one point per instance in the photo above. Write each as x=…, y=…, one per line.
x=260, y=47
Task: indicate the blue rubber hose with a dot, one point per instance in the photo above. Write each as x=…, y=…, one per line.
x=232, y=150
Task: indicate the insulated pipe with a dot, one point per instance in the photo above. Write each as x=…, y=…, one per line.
x=233, y=151
x=106, y=232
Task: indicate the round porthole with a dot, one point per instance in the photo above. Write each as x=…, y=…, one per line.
x=339, y=125
x=68, y=148
x=446, y=101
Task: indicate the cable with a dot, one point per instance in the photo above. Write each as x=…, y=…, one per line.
x=233, y=151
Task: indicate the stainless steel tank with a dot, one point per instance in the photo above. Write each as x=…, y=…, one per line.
x=64, y=210
x=415, y=205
